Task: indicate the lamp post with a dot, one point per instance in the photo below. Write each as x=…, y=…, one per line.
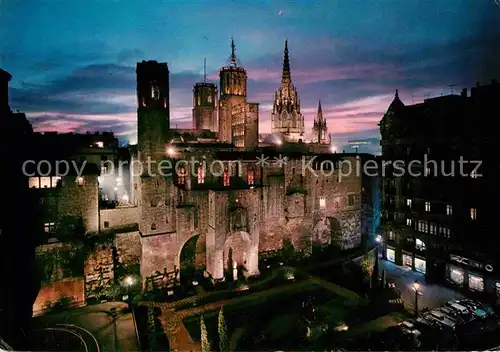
x=129, y=280
x=416, y=286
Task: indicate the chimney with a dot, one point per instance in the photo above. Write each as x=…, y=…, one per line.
x=5, y=78
x=464, y=93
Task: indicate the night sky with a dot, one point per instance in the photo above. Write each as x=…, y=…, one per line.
x=73, y=62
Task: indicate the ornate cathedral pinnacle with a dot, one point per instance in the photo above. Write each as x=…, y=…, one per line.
x=320, y=112
x=286, y=65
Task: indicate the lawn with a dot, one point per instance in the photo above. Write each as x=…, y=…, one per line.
x=265, y=322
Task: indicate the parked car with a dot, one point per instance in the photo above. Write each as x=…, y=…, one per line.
x=445, y=319
x=460, y=309
x=452, y=314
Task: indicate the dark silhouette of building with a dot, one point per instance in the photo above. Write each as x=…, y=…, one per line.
x=17, y=244
x=440, y=185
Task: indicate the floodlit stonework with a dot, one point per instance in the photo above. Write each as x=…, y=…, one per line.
x=211, y=220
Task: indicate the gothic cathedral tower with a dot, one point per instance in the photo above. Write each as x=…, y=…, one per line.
x=320, y=129
x=286, y=118
x=205, y=105
x=233, y=92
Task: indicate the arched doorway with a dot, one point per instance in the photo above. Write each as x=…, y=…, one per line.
x=236, y=252
x=187, y=260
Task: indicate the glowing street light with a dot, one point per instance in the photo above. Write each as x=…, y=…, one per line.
x=416, y=286
x=378, y=239
x=129, y=281
x=333, y=149
x=170, y=151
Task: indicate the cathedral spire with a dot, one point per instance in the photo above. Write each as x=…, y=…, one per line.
x=397, y=94
x=320, y=112
x=286, y=65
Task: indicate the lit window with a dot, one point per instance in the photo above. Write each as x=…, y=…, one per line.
x=350, y=200
x=473, y=213
x=226, y=177
x=251, y=176
x=55, y=181
x=182, y=176
x=449, y=209
x=420, y=245
x=408, y=222
x=34, y=182
x=201, y=175
x=49, y=227
x=444, y=231
x=427, y=206
x=100, y=144
x=322, y=203
x=432, y=229
x=408, y=202
x=423, y=226
x=44, y=182
x=80, y=180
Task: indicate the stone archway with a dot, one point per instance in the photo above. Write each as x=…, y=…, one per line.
x=237, y=251
x=188, y=261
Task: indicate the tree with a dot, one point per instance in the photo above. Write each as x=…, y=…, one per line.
x=223, y=340
x=205, y=345
x=368, y=266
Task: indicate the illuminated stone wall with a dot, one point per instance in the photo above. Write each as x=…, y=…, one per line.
x=119, y=217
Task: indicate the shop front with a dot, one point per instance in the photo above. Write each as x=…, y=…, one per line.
x=390, y=254
x=420, y=265
x=407, y=259
x=472, y=275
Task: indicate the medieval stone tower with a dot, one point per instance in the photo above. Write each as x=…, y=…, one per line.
x=238, y=119
x=233, y=92
x=153, y=112
x=286, y=117
x=205, y=105
x=153, y=117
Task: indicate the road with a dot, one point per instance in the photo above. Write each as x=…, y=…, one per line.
x=97, y=326
x=433, y=295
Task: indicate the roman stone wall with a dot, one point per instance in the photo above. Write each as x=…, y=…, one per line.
x=128, y=248
x=119, y=217
x=99, y=270
x=80, y=200
x=67, y=292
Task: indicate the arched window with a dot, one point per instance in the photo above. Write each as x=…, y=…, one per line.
x=182, y=176
x=201, y=174
x=251, y=176
x=226, y=177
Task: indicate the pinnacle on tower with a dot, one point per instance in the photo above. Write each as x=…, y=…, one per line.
x=286, y=65
x=232, y=58
x=320, y=112
x=397, y=94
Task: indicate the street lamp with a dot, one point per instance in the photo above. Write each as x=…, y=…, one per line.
x=416, y=286
x=129, y=280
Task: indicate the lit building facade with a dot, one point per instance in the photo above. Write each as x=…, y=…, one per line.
x=436, y=218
